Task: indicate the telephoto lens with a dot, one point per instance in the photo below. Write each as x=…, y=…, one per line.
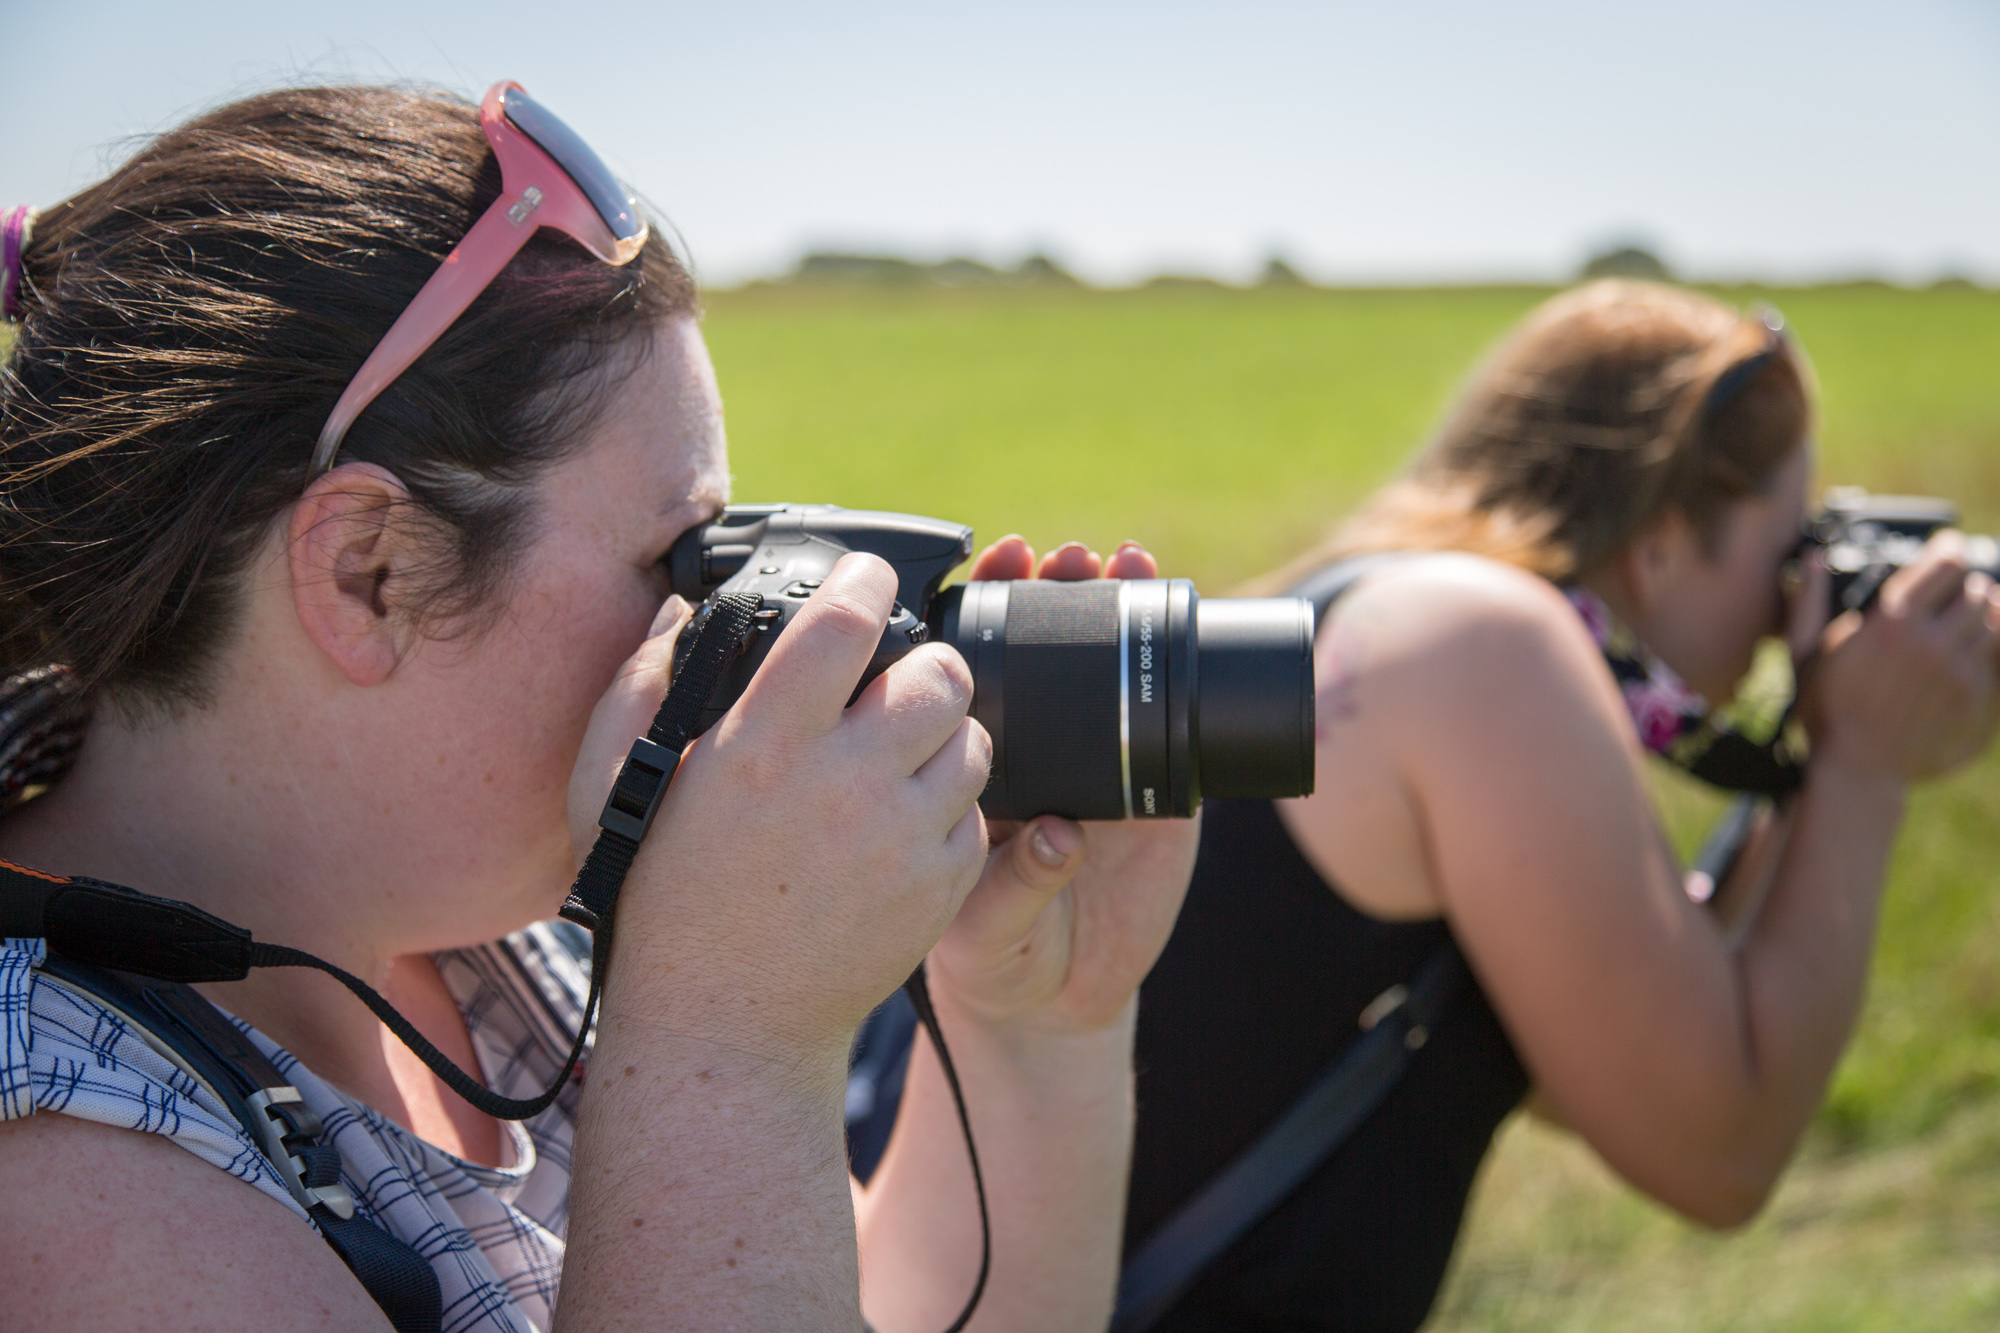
x=1133, y=698
x=1106, y=699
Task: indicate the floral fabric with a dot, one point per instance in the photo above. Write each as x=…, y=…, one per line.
x=1663, y=707
x=1675, y=722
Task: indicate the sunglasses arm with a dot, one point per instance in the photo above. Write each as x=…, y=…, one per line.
x=473, y=263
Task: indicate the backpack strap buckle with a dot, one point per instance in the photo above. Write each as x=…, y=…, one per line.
x=288, y=1131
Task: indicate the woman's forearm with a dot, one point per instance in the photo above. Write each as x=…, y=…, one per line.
x=1052, y=1115
x=709, y=1190
x=1739, y=899
x=1804, y=961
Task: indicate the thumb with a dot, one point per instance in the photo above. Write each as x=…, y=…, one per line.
x=1022, y=875
x=625, y=711
x=1812, y=599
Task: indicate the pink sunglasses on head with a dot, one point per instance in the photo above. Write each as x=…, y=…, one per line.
x=549, y=178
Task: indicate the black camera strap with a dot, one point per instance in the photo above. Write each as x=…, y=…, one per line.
x=99, y=925
x=719, y=629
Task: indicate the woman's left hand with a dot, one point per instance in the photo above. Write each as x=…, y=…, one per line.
x=1068, y=917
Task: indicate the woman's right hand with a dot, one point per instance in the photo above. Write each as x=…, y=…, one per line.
x=807, y=854
x=1909, y=690
x=805, y=858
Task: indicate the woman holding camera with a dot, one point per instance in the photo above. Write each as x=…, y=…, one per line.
x=1589, y=550
x=369, y=704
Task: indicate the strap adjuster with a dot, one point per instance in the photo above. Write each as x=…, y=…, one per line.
x=635, y=796
x=279, y=1115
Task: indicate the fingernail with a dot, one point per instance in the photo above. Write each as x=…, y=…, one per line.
x=670, y=613
x=1043, y=842
x=1129, y=545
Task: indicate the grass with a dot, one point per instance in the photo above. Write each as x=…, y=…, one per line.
x=1222, y=428
x=1227, y=429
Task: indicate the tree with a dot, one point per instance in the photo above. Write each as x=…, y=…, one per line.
x=1278, y=273
x=1628, y=261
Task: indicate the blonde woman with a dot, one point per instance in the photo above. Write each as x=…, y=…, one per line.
x=1588, y=553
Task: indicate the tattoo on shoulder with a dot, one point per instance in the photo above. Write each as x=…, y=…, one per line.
x=1337, y=695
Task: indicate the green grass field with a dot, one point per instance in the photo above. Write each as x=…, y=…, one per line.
x=1228, y=429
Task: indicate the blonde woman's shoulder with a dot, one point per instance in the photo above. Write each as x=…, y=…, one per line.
x=1449, y=603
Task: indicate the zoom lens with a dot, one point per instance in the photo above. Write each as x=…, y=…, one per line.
x=1133, y=698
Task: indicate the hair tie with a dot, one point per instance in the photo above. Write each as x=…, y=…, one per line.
x=17, y=228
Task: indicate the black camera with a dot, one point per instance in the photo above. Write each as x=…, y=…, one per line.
x=1867, y=538
x=1106, y=699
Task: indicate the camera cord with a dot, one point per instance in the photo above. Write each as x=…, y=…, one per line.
x=109, y=925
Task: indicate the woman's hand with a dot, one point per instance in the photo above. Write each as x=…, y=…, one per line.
x=1035, y=984
x=807, y=854
x=1069, y=917
x=805, y=858
x=1909, y=690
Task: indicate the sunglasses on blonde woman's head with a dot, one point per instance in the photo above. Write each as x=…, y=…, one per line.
x=549, y=178
x=1730, y=384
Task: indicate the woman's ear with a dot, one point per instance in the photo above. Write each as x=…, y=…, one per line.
x=351, y=549
x=1657, y=558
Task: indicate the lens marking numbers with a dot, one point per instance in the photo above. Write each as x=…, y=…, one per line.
x=1146, y=671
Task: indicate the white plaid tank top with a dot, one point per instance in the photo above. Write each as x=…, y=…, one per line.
x=493, y=1235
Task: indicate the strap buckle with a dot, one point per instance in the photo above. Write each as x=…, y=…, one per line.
x=635, y=796
x=279, y=1114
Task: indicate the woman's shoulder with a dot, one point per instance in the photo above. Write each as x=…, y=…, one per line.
x=1469, y=588
x=107, y=1228
x=78, y=1072
x=69, y=1053
x=108, y=1149
x=1450, y=619
x=1430, y=669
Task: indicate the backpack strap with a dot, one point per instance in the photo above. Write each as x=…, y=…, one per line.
x=1340, y=1097
x=191, y=1032
x=1326, y=586
x=1343, y=1095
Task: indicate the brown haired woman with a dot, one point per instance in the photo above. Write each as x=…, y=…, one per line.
x=374, y=714
x=1631, y=464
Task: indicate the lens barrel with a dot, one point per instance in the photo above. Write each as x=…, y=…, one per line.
x=1133, y=698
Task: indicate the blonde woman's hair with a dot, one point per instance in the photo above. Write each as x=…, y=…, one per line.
x=1592, y=419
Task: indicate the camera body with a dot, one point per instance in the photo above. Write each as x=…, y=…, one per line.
x=1866, y=538
x=1105, y=699
x=782, y=552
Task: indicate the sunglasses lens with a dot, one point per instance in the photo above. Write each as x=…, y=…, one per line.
x=575, y=156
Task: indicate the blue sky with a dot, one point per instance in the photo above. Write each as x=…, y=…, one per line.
x=1417, y=141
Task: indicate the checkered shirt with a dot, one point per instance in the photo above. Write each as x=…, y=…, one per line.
x=493, y=1235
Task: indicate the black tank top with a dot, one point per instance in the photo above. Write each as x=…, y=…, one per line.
x=1262, y=983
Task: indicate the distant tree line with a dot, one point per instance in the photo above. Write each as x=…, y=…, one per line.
x=828, y=268
x=845, y=270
